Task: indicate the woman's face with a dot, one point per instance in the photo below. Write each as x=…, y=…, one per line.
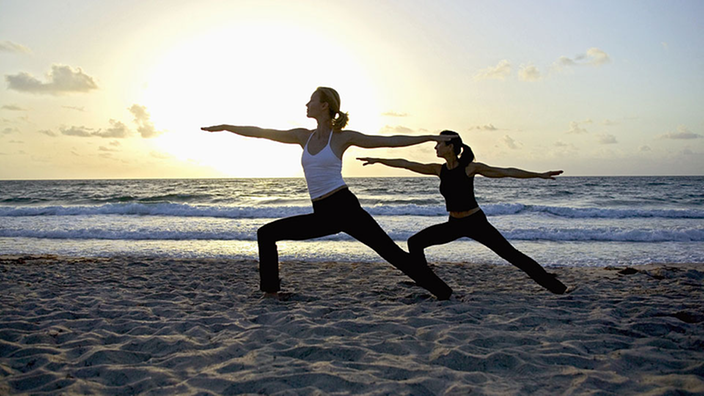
x=315, y=107
x=443, y=148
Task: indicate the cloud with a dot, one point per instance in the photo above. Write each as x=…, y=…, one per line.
x=485, y=127
x=510, y=143
x=9, y=46
x=529, y=73
x=13, y=108
x=107, y=149
x=397, y=129
x=610, y=122
x=81, y=109
x=116, y=130
x=142, y=119
x=682, y=134
x=8, y=131
x=61, y=80
x=394, y=114
x=159, y=155
x=644, y=149
x=575, y=127
x=597, y=57
x=606, y=139
x=48, y=132
x=593, y=57
x=79, y=131
x=498, y=72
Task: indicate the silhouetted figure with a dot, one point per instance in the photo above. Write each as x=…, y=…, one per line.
x=466, y=218
x=335, y=208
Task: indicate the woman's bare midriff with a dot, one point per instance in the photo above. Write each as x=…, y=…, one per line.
x=464, y=213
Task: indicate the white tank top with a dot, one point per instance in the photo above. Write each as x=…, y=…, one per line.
x=323, y=171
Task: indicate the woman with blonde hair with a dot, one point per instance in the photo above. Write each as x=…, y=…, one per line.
x=335, y=208
x=466, y=217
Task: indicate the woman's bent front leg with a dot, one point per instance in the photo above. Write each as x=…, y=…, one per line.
x=296, y=228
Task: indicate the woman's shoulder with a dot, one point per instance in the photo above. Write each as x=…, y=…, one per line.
x=474, y=168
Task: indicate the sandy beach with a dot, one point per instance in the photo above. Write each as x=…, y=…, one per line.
x=122, y=326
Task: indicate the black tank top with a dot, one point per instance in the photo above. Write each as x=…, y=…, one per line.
x=457, y=188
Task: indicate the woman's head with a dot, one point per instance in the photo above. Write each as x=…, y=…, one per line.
x=332, y=98
x=466, y=156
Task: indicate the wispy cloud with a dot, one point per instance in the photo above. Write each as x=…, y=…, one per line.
x=593, y=57
x=394, y=114
x=9, y=46
x=529, y=73
x=117, y=129
x=498, y=72
x=107, y=149
x=13, y=108
x=510, y=143
x=79, y=131
x=576, y=127
x=605, y=138
x=485, y=127
x=61, y=79
x=142, y=118
x=48, y=132
x=81, y=109
x=682, y=134
x=397, y=129
x=160, y=155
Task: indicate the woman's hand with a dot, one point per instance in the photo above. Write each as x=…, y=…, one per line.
x=443, y=138
x=214, y=128
x=369, y=160
x=550, y=174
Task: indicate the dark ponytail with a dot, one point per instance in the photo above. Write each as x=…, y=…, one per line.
x=464, y=152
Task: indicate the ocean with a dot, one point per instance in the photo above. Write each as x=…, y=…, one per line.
x=570, y=221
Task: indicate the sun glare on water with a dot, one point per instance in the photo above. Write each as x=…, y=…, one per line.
x=250, y=74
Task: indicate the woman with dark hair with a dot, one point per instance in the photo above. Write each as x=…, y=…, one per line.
x=335, y=208
x=466, y=218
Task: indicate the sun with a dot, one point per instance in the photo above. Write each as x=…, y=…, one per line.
x=258, y=74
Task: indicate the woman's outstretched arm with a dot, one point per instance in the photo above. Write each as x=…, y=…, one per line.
x=293, y=136
x=369, y=141
x=477, y=168
x=424, y=169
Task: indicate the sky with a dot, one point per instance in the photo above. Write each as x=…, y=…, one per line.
x=105, y=89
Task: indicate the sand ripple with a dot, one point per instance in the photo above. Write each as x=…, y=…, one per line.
x=127, y=326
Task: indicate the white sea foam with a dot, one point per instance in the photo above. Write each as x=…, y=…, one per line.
x=273, y=211
x=662, y=215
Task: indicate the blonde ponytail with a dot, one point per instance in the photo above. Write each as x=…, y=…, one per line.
x=341, y=120
x=332, y=98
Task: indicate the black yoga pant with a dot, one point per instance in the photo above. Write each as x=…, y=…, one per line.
x=341, y=212
x=477, y=227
